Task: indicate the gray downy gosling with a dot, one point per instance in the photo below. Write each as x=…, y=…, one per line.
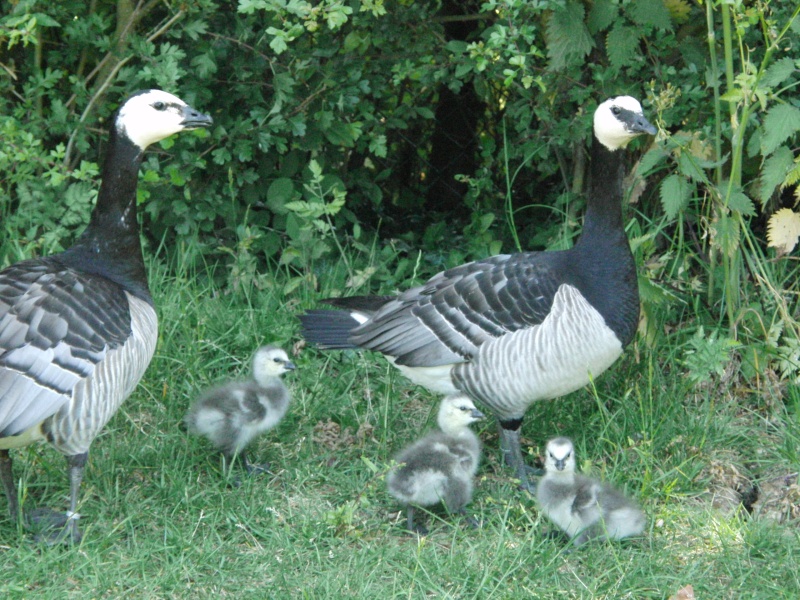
x=439, y=468
x=231, y=415
x=582, y=507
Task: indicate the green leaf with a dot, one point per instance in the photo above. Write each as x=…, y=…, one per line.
x=725, y=234
x=456, y=46
x=279, y=193
x=774, y=172
x=675, y=194
x=622, y=45
x=738, y=200
x=377, y=145
x=691, y=166
x=568, y=40
x=777, y=73
x=780, y=123
x=602, y=14
x=654, y=157
x=650, y=12
x=708, y=355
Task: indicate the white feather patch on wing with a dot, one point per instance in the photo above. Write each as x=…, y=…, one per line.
x=436, y=379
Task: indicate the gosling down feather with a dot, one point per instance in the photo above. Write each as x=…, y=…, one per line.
x=233, y=414
x=439, y=468
x=78, y=329
x=581, y=507
x=514, y=329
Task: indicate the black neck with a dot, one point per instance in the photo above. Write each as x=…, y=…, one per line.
x=604, y=207
x=602, y=254
x=110, y=245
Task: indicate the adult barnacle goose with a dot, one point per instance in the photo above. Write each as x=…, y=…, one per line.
x=513, y=329
x=439, y=467
x=78, y=329
x=232, y=414
x=583, y=508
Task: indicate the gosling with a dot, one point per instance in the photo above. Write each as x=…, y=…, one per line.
x=439, y=468
x=232, y=414
x=583, y=508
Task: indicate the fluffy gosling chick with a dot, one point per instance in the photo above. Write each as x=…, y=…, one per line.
x=439, y=467
x=582, y=507
x=232, y=414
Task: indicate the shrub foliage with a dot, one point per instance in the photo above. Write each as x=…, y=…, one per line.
x=368, y=132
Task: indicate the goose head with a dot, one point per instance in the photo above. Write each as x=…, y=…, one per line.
x=150, y=116
x=269, y=362
x=456, y=413
x=618, y=120
x=560, y=456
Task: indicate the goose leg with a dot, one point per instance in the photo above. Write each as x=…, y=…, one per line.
x=53, y=527
x=420, y=529
x=7, y=476
x=512, y=454
x=252, y=468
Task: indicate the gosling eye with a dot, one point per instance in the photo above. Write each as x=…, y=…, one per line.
x=277, y=360
x=159, y=105
x=616, y=110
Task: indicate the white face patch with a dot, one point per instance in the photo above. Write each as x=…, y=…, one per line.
x=560, y=452
x=151, y=116
x=270, y=362
x=609, y=129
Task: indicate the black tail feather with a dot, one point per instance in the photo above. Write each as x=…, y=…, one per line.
x=363, y=304
x=328, y=329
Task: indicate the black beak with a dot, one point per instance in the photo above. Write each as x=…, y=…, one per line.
x=288, y=365
x=640, y=124
x=192, y=119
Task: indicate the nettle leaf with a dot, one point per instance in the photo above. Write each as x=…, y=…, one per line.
x=675, y=194
x=726, y=234
x=780, y=123
x=602, y=14
x=650, y=12
x=777, y=73
x=651, y=159
x=691, y=166
x=739, y=201
x=774, y=172
x=679, y=10
x=568, y=39
x=622, y=45
x=783, y=230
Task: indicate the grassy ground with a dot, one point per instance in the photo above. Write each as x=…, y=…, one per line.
x=160, y=521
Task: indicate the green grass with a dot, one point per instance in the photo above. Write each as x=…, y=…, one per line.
x=160, y=521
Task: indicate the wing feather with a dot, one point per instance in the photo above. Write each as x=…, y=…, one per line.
x=447, y=319
x=56, y=325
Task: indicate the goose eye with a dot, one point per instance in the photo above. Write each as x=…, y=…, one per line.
x=159, y=105
x=277, y=360
x=616, y=110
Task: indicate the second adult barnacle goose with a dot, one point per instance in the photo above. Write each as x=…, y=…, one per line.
x=78, y=329
x=513, y=329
